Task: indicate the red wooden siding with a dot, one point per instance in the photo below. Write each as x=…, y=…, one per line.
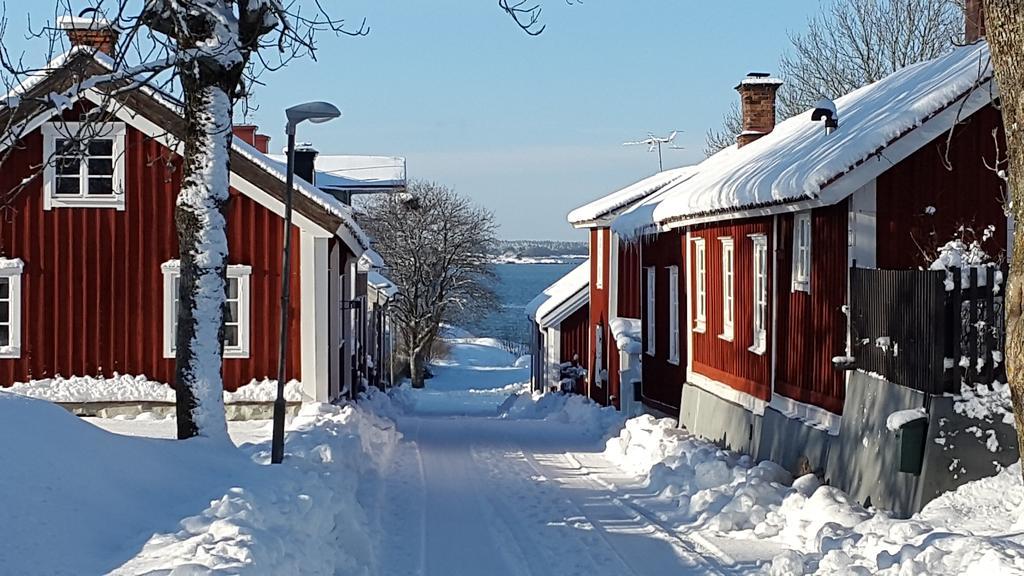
x=599, y=317
x=663, y=380
x=628, y=281
x=812, y=327
x=731, y=362
x=92, y=285
x=574, y=336
x=968, y=194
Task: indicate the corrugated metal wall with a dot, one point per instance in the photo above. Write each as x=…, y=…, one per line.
x=732, y=362
x=966, y=193
x=93, y=288
x=662, y=380
x=812, y=327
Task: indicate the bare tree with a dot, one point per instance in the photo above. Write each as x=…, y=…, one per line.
x=435, y=244
x=852, y=43
x=1004, y=25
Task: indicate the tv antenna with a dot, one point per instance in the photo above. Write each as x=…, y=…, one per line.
x=655, y=142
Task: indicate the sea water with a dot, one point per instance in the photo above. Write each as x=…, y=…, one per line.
x=516, y=285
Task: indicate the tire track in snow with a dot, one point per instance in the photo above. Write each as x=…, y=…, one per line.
x=693, y=554
x=539, y=553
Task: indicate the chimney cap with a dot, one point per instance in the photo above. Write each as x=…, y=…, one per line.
x=760, y=79
x=305, y=147
x=84, y=22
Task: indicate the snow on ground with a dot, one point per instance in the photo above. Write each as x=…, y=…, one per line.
x=127, y=388
x=78, y=499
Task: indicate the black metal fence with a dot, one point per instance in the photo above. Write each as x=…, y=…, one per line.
x=928, y=330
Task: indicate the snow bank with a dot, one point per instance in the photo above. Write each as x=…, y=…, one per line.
x=391, y=404
x=579, y=411
x=698, y=487
x=627, y=334
x=125, y=505
x=127, y=388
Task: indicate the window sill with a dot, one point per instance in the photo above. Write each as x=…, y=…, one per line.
x=726, y=337
x=10, y=352
x=802, y=287
x=649, y=353
x=759, y=350
x=673, y=361
x=109, y=202
x=228, y=355
x=700, y=329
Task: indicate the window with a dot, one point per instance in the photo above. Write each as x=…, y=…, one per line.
x=649, y=311
x=673, y=314
x=10, y=307
x=600, y=259
x=760, y=293
x=728, y=287
x=84, y=165
x=700, y=272
x=236, y=317
x=802, y=252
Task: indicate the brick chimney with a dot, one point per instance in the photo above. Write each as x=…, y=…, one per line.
x=305, y=162
x=91, y=30
x=974, y=21
x=262, y=142
x=246, y=133
x=757, y=106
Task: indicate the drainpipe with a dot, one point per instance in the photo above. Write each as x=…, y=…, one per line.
x=775, y=303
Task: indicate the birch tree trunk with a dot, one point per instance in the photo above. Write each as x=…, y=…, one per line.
x=200, y=216
x=1004, y=21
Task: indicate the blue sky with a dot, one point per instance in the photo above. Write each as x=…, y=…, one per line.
x=529, y=127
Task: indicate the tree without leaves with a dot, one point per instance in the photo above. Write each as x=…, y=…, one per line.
x=435, y=244
x=1004, y=20
x=852, y=43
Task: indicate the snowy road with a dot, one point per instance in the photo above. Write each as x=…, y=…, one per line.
x=472, y=495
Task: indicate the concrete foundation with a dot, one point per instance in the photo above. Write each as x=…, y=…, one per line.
x=234, y=410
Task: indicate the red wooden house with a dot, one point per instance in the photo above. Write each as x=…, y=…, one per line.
x=746, y=264
x=614, y=283
x=88, y=241
x=560, y=336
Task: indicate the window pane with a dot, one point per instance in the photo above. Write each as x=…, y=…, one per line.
x=231, y=314
x=68, y=186
x=101, y=147
x=231, y=336
x=5, y=335
x=101, y=167
x=101, y=186
x=5, y=288
x=232, y=288
x=65, y=147
x=68, y=165
x=5, y=312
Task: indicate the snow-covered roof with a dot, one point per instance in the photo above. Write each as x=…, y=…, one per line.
x=370, y=260
x=798, y=160
x=567, y=294
x=320, y=198
x=605, y=205
x=380, y=283
x=341, y=172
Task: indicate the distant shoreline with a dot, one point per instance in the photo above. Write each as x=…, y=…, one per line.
x=566, y=259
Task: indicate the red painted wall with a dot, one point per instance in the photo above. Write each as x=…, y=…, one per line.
x=574, y=333
x=628, y=286
x=812, y=327
x=966, y=193
x=663, y=380
x=732, y=363
x=92, y=286
x=599, y=317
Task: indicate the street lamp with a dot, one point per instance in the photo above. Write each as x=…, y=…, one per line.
x=316, y=112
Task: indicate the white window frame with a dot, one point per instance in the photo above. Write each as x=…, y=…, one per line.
x=652, y=278
x=11, y=269
x=728, y=288
x=600, y=259
x=673, y=315
x=802, y=252
x=68, y=130
x=760, y=293
x=172, y=271
x=700, y=274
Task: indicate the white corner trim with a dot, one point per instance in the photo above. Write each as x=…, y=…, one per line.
x=12, y=268
x=813, y=416
x=314, y=303
x=748, y=402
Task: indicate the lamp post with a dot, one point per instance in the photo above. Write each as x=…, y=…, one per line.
x=316, y=112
